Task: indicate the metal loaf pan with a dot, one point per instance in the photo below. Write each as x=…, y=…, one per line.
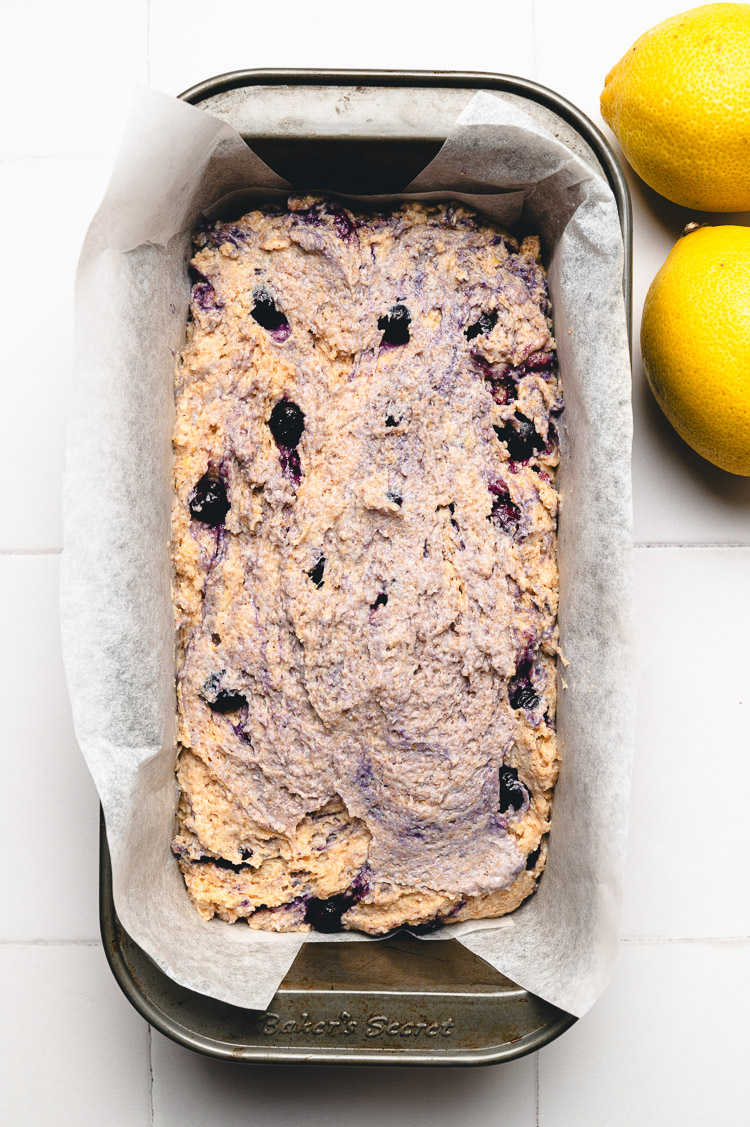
x=399, y=1000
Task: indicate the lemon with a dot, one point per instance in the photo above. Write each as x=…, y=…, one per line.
x=679, y=104
x=695, y=340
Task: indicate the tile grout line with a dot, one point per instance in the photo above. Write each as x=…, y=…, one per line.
x=30, y=551
x=148, y=45
x=644, y=939
x=50, y=942
x=536, y=1083
x=10, y=158
x=150, y=1077
x=706, y=544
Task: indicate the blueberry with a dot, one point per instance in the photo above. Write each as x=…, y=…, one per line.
x=316, y=572
x=391, y=422
x=207, y=499
x=215, y=235
x=213, y=684
x=427, y=927
x=533, y=857
x=291, y=466
x=513, y=793
x=287, y=423
x=526, y=271
x=484, y=365
x=381, y=600
x=522, y=438
x=360, y=886
x=325, y=915
x=502, y=384
x=539, y=362
x=268, y=316
x=395, y=325
x=505, y=513
x=524, y=697
x=485, y=324
x=204, y=296
x=502, y=389
x=344, y=224
x=521, y=693
x=227, y=701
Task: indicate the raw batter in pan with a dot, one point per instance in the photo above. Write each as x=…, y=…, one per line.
x=365, y=580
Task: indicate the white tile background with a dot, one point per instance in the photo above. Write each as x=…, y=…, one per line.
x=668, y=1042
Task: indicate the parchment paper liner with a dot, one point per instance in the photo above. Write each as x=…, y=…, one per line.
x=118, y=636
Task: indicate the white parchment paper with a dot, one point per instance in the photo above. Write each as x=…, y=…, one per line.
x=177, y=162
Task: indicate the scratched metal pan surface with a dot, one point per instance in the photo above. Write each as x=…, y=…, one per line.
x=408, y=1002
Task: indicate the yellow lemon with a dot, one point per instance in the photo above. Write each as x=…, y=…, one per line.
x=695, y=340
x=679, y=104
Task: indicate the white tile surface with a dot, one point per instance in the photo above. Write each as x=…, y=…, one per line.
x=50, y=808
x=665, y=1045
x=576, y=46
x=678, y=496
x=74, y=1053
x=53, y=200
x=392, y=36
x=69, y=72
x=688, y=827
x=192, y=1091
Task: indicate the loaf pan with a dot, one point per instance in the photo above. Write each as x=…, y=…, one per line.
x=398, y=1000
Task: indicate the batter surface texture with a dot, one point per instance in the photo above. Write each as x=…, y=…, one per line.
x=364, y=569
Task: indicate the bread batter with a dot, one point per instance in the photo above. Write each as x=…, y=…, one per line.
x=365, y=579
